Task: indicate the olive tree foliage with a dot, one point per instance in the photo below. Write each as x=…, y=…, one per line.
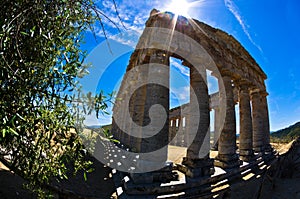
x=40, y=102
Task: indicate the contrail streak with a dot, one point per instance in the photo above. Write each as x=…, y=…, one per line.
x=235, y=11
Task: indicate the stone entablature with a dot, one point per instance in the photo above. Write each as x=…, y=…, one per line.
x=225, y=50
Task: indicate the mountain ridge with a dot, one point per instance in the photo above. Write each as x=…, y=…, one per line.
x=290, y=133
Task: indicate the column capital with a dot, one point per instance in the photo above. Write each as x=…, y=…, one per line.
x=216, y=108
x=243, y=83
x=264, y=93
x=254, y=91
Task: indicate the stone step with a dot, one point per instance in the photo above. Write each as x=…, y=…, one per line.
x=185, y=187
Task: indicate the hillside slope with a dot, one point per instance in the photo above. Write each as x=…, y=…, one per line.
x=289, y=133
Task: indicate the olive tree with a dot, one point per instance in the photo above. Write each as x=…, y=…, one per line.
x=40, y=63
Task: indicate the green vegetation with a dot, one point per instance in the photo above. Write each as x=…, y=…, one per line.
x=286, y=135
x=41, y=106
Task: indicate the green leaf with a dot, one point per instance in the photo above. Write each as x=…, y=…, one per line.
x=90, y=170
x=20, y=116
x=12, y=131
x=116, y=141
x=24, y=33
x=84, y=176
x=3, y=132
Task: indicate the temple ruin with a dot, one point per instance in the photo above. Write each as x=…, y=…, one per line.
x=141, y=117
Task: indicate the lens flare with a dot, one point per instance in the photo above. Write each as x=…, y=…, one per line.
x=179, y=7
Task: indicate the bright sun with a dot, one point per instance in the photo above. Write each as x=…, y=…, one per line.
x=179, y=7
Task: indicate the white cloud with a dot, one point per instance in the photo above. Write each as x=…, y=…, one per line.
x=235, y=11
x=127, y=23
x=103, y=119
x=183, y=69
x=181, y=94
x=129, y=38
x=212, y=83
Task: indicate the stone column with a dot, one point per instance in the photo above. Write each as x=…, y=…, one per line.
x=126, y=140
x=156, y=93
x=266, y=123
x=170, y=130
x=179, y=132
x=216, y=128
x=227, y=157
x=197, y=161
x=118, y=112
x=257, y=122
x=131, y=95
x=173, y=129
x=115, y=131
x=185, y=134
x=137, y=111
x=245, y=148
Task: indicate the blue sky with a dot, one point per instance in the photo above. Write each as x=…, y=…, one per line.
x=268, y=29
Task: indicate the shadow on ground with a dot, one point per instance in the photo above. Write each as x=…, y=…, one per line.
x=99, y=184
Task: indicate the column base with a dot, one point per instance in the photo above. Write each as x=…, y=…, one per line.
x=215, y=147
x=227, y=161
x=163, y=175
x=259, y=149
x=247, y=155
x=268, y=148
x=195, y=168
x=269, y=153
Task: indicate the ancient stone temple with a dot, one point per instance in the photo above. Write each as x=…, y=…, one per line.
x=141, y=118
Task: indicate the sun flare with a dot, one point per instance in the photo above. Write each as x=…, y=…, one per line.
x=179, y=7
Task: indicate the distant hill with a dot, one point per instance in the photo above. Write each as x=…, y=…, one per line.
x=93, y=127
x=107, y=126
x=288, y=133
